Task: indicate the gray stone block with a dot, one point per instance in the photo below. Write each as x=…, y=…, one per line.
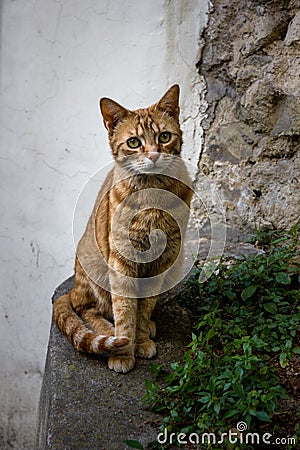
x=84, y=405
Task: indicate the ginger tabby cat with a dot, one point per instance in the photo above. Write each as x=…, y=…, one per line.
x=131, y=250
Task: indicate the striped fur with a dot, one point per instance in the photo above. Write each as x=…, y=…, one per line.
x=103, y=312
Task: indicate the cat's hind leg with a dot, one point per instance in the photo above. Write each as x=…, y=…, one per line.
x=79, y=332
x=98, y=323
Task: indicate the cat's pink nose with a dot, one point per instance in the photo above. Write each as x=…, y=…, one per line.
x=153, y=156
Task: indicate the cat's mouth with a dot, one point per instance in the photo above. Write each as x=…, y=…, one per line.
x=134, y=164
x=151, y=167
x=148, y=164
x=144, y=165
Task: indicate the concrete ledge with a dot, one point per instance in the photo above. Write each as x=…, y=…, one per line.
x=84, y=405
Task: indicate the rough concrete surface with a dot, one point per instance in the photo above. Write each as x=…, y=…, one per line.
x=84, y=405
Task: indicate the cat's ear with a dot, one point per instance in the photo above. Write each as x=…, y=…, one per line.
x=170, y=102
x=111, y=112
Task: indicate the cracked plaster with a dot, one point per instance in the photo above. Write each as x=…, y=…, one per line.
x=56, y=61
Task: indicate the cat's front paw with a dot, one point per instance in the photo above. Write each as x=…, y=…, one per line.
x=121, y=364
x=146, y=349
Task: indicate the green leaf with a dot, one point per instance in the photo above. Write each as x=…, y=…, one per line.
x=205, y=399
x=231, y=413
x=149, y=385
x=174, y=413
x=270, y=307
x=229, y=294
x=277, y=241
x=238, y=389
x=134, y=444
x=288, y=344
x=248, y=291
x=283, y=359
x=217, y=407
x=282, y=278
x=261, y=415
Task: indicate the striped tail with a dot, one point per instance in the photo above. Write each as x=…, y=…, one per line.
x=78, y=333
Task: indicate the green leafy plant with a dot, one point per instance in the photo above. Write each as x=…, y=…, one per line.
x=246, y=318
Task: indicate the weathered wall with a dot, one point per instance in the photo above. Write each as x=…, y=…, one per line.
x=56, y=61
x=251, y=66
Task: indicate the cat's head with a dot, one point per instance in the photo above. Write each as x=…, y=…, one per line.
x=144, y=140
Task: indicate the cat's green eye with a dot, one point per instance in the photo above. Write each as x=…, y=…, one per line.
x=164, y=137
x=134, y=142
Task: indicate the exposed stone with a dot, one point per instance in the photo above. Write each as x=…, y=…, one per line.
x=251, y=151
x=231, y=142
x=293, y=33
x=258, y=102
x=287, y=114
